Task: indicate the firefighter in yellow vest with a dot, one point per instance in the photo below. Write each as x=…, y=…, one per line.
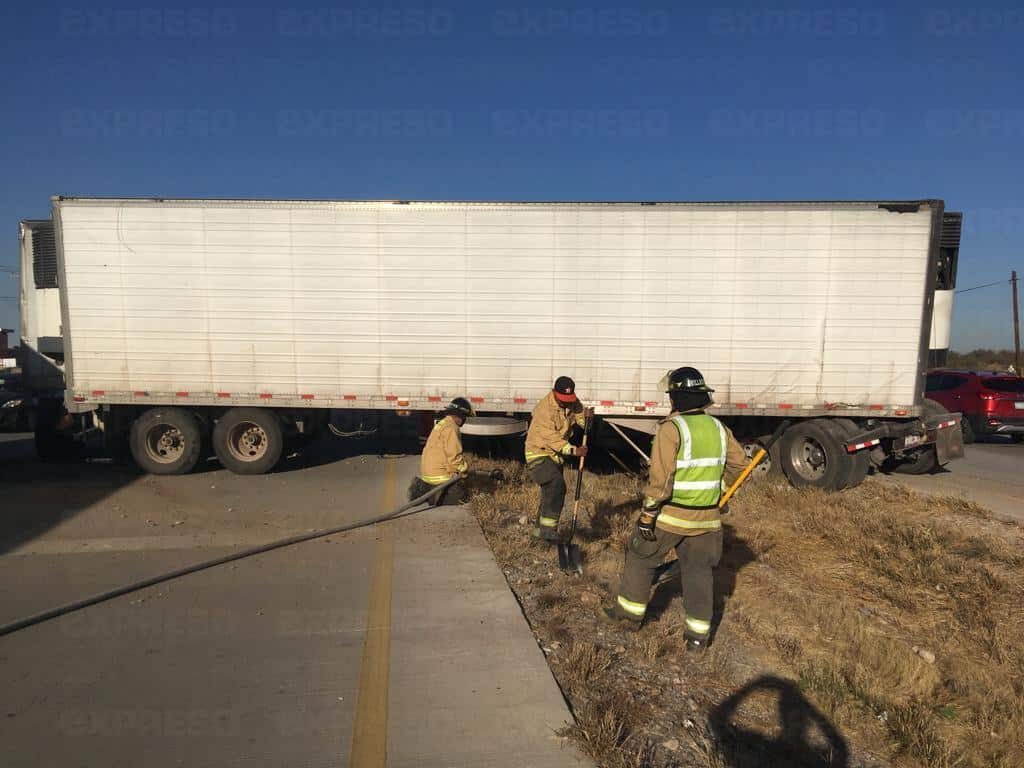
x=442, y=457
x=693, y=455
x=547, y=445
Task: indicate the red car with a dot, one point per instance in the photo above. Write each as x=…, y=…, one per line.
x=991, y=403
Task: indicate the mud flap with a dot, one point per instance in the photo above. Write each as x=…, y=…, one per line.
x=949, y=444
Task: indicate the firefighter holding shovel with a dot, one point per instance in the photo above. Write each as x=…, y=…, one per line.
x=692, y=454
x=547, y=445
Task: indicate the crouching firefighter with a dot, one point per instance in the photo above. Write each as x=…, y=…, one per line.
x=442, y=457
x=547, y=445
x=693, y=453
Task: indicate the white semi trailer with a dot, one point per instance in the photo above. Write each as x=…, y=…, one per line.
x=245, y=321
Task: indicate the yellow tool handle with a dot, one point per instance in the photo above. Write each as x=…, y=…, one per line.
x=753, y=463
x=743, y=476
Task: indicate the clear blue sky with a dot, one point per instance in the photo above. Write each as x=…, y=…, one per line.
x=461, y=100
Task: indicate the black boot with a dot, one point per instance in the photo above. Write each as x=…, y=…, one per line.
x=697, y=645
x=612, y=615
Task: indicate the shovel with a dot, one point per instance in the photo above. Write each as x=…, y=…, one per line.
x=570, y=558
x=669, y=571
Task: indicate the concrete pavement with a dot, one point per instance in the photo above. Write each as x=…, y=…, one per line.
x=399, y=645
x=990, y=474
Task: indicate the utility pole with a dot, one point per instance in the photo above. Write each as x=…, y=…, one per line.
x=1016, y=325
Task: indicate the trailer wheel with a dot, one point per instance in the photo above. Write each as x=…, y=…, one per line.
x=859, y=461
x=812, y=456
x=52, y=444
x=248, y=441
x=918, y=462
x=923, y=460
x=166, y=441
x=770, y=465
x=966, y=430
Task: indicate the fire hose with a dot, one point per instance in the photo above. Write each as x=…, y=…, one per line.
x=405, y=510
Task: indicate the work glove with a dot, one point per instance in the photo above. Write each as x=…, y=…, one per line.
x=645, y=524
x=580, y=451
x=498, y=475
x=588, y=412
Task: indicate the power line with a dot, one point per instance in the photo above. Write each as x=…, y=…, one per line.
x=986, y=285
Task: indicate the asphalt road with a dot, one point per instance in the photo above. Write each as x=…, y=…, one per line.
x=990, y=474
x=398, y=645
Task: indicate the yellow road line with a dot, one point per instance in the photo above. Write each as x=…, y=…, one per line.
x=370, y=731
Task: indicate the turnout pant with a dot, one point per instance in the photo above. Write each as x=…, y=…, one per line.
x=450, y=496
x=547, y=473
x=698, y=555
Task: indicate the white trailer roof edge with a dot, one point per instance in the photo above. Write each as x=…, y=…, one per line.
x=898, y=206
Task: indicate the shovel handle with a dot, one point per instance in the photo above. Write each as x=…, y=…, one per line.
x=762, y=452
x=583, y=459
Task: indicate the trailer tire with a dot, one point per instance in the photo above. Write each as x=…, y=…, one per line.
x=248, y=441
x=860, y=461
x=51, y=443
x=923, y=460
x=812, y=456
x=166, y=441
x=966, y=430
x=770, y=466
x=919, y=462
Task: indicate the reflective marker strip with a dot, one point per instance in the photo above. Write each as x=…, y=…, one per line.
x=698, y=626
x=349, y=397
x=181, y=394
x=876, y=407
x=99, y=392
x=741, y=405
x=678, y=522
x=140, y=394
x=389, y=398
x=636, y=609
x=697, y=485
x=549, y=522
x=858, y=446
x=712, y=462
x=265, y=396
x=223, y=394
x=433, y=399
x=607, y=402
x=519, y=400
x=684, y=431
x=476, y=399
x=308, y=397
x=785, y=406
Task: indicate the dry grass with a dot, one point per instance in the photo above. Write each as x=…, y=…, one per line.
x=604, y=730
x=900, y=617
x=583, y=664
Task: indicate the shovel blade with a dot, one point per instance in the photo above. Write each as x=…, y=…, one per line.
x=570, y=558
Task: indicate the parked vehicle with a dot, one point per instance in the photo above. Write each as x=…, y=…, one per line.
x=990, y=403
x=245, y=323
x=15, y=404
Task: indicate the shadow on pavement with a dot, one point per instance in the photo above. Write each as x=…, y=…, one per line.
x=805, y=738
x=39, y=495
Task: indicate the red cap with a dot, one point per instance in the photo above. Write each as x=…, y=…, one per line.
x=565, y=390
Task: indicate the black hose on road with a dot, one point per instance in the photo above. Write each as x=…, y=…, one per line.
x=53, y=613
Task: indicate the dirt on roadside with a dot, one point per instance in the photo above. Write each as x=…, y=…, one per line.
x=870, y=627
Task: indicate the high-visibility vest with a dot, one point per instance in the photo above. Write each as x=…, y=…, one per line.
x=700, y=462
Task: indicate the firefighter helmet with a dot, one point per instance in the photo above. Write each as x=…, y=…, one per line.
x=460, y=406
x=685, y=379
